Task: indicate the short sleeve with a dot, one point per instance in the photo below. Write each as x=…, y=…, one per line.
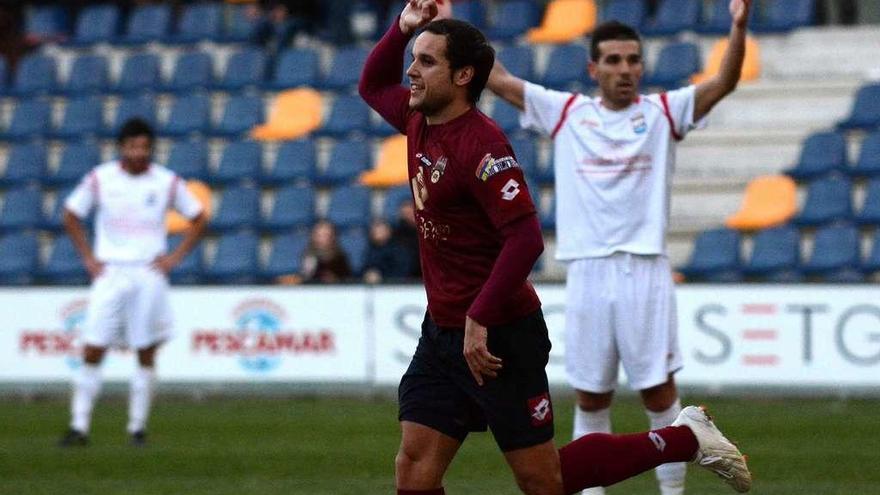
x=681, y=108
x=184, y=201
x=544, y=108
x=83, y=197
x=499, y=185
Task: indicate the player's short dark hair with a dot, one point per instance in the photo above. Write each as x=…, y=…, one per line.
x=136, y=127
x=611, y=30
x=466, y=45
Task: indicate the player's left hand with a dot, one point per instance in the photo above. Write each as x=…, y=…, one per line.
x=739, y=12
x=476, y=352
x=165, y=263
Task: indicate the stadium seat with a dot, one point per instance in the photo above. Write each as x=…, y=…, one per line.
x=526, y=155
x=19, y=258
x=241, y=161
x=391, y=165
x=506, y=116
x=96, y=24
x=64, y=266
x=293, y=114
x=140, y=72
x=673, y=17
x=192, y=71
x=242, y=112
x=567, y=68
x=189, y=271
x=199, y=21
x=83, y=118
x=821, y=153
x=26, y=164
x=347, y=160
x=236, y=260
x=379, y=127
x=349, y=207
x=715, y=257
x=36, y=74
x=295, y=67
x=189, y=160
x=4, y=76
x=751, y=69
x=394, y=197
x=677, y=63
x=294, y=162
x=776, y=255
x=285, y=255
x=175, y=222
x=512, y=19
x=31, y=119
x=53, y=220
x=190, y=114
x=88, y=75
x=77, y=159
x=718, y=18
x=146, y=23
x=546, y=174
x=769, y=201
x=836, y=255
x=828, y=200
x=868, y=163
x=354, y=242
x=345, y=71
x=140, y=106
x=519, y=61
x=870, y=211
x=472, y=11
x=785, y=15
x=45, y=24
x=22, y=209
x=243, y=69
x=547, y=216
x=242, y=27
x=871, y=264
x=239, y=209
x=349, y=114
x=630, y=12
x=293, y=207
x=865, y=112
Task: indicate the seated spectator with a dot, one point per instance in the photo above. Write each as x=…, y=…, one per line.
x=324, y=261
x=406, y=235
x=388, y=259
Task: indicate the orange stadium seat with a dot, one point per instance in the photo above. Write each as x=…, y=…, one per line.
x=175, y=222
x=769, y=201
x=564, y=21
x=391, y=167
x=294, y=114
x=751, y=69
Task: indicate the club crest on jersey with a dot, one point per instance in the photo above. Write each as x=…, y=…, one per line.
x=439, y=168
x=490, y=166
x=426, y=162
x=638, y=123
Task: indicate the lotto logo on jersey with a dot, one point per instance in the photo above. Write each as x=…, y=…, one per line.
x=510, y=190
x=490, y=166
x=541, y=409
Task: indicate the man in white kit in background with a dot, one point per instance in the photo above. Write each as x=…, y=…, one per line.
x=614, y=155
x=128, y=303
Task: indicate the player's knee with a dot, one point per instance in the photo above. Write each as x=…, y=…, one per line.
x=535, y=482
x=93, y=355
x=411, y=465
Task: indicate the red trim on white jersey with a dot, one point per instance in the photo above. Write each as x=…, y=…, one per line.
x=564, y=115
x=675, y=134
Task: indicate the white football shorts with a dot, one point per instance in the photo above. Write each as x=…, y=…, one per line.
x=620, y=309
x=128, y=307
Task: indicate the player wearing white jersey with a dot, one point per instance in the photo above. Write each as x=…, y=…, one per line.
x=613, y=159
x=128, y=302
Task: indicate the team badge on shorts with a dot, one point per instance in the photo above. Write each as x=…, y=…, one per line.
x=541, y=409
x=439, y=168
x=638, y=123
x=490, y=166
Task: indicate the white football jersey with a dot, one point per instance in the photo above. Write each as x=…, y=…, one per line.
x=130, y=210
x=613, y=168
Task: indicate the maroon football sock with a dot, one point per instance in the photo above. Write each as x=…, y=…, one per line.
x=435, y=491
x=600, y=459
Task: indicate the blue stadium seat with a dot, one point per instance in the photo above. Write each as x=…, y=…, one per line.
x=54, y=220
x=22, y=209
x=526, y=155
x=236, y=261
x=718, y=19
x=4, y=76
x=295, y=67
x=285, y=257
x=349, y=114
x=821, y=153
x=76, y=161
x=189, y=271
x=96, y=24
x=519, y=61
x=89, y=74
x=244, y=68
x=140, y=72
x=865, y=112
x=836, y=255
x=776, y=255
x=547, y=216
x=242, y=27
x=294, y=207
x=294, y=162
x=146, y=23
x=870, y=212
x=198, y=22
x=868, y=162
x=354, y=243
x=513, y=18
x=141, y=106
x=379, y=127
x=64, y=266
x=345, y=71
x=347, y=160
x=828, y=200
x=83, y=118
x=871, y=264
x=46, y=23
x=715, y=257
x=19, y=258
x=784, y=15
x=394, y=197
x=630, y=12
x=506, y=116
x=677, y=62
x=192, y=71
x=472, y=11
x=239, y=209
x=242, y=161
x=36, y=74
x=190, y=114
x=189, y=160
x=30, y=119
x=349, y=207
x=242, y=113
x=26, y=164
x=567, y=68
x=674, y=16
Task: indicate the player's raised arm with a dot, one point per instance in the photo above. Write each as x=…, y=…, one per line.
x=507, y=86
x=720, y=85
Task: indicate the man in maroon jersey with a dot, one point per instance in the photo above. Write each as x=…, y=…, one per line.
x=481, y=357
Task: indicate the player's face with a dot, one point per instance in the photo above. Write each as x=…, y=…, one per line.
x=618, y=71
x=136, y=152
x=431, y=87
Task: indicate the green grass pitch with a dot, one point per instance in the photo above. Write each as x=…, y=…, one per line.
x=346, y=446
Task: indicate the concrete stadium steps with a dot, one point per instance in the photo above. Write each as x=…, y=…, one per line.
x=818, y=53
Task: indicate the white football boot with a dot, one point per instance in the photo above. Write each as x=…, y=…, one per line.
x=715, y=453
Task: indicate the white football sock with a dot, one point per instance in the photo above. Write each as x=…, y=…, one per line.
x=86, y=387
x=586, y=422
x=140, y=396
x=670, y=476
